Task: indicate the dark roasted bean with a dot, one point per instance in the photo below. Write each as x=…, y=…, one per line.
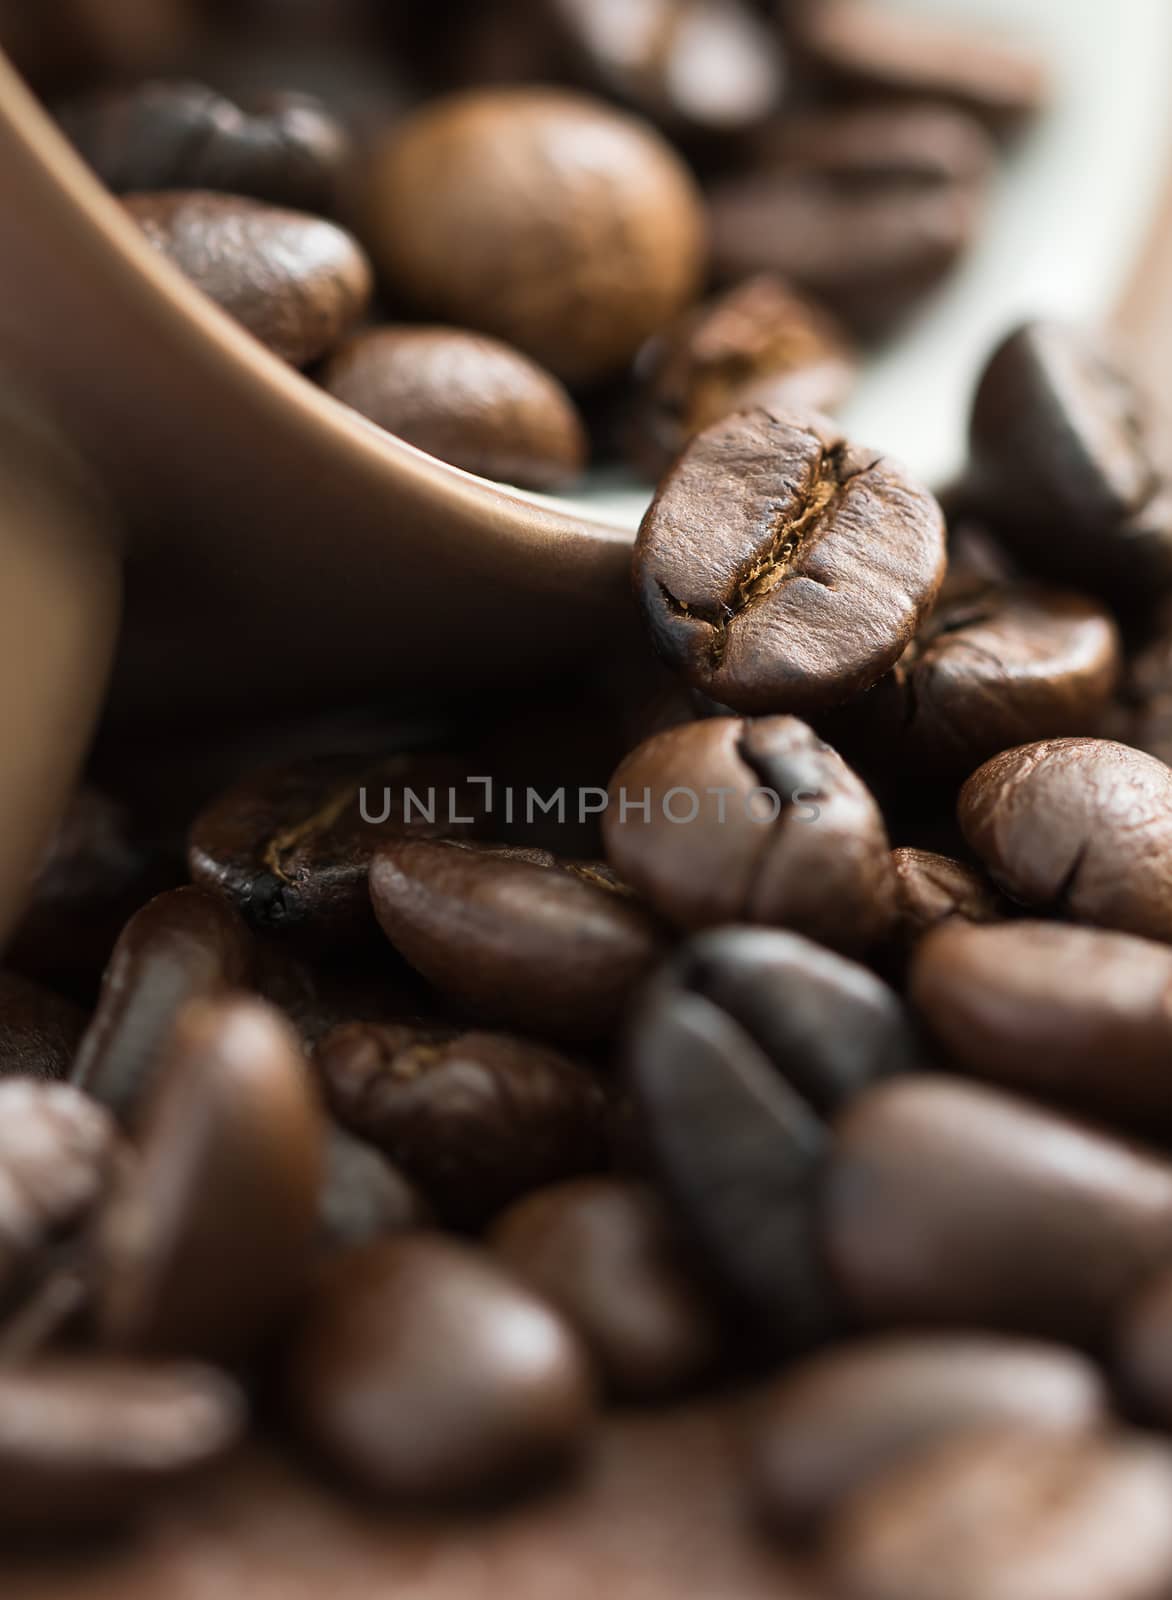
x=1078, y=827
x=423, y=1373
x=516, y=936
x=604, y=1251
x=866, y=209
x=39, y=1030
x=950, y=1203
x=475, y=1121
x=840, y=1420
x=208, y=1236
x=182, y=945
x=756, y=822
x=174, y=134
x=465, y=398
x=781, y=568
x=296, y=282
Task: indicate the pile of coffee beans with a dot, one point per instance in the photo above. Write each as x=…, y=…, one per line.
x=778, y=1005
x=527, y=236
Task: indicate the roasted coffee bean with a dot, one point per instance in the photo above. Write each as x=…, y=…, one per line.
x=1143, y=1349
x=183, y=944
x=58, y=43
x=931, y=889
x=465, y=398
x=947, y=1202
x=740, y=1155
x=290, y=847
x=297, y=283
x=1070, y=464
x=1074, y=1015
x=475, y=1121
x=174, y=134
x=39, y=1030
x=604, y=1251
x=363, y=1197
x=838, y=1422
x=58, y=1153
x=1022, y=1513
x=830, y=1025
x=423, y=1373
x=1078, y=827
x=760, y=344
x=991, y=668
x=866, y=209
x=543, y=217
x=711, y=67
x=516, y=936
x=95, y=875
x=869, y=52
x=87, y=1443
x=756, y=822
x=781, y=568
x=207, y=1237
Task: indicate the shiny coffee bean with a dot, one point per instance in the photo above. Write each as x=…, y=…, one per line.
x=295, y=282
x=1074, y=1015
x=182, y=945
x=1018, y=1512
x=422, y=1373
x=475, y=1121
x=95, y=875
x=931, y=889
x=866, y=209
x=1081, y=828
x=363, y=1197
x=39, y=1030
x=1070, y=464
x=465, y=398
x=991, y=668
x=58, y=1154
x=546, y=218
x=605, y=1252
x=290, y=847
x=754, y=822
x=759, y=344
x=698, y=67
x=781, y=568
x=829, y=1025
x=949, y=1203
x=842, y=1419
x=176, y=134
x=207, y=1238
x=870, y=53
x=740, y=1155
x=516, y=936
x=90, y=1443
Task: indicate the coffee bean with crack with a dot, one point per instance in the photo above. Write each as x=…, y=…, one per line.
x=171, y=134
x=740, y=1155
x=290, y=847
x=1070, y=463
x=753, y=821
x=1080, y=828
x=182, y=945
x=932, y=889
x=517, y=936
x=993, y=667
x=475, y=1120
x=781, y=568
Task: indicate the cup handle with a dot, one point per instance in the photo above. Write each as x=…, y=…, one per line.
x=60, y=601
